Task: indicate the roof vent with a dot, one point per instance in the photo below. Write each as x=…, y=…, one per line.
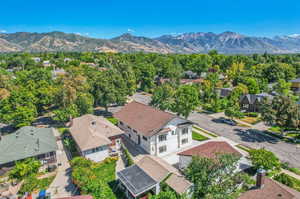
x=93, y=123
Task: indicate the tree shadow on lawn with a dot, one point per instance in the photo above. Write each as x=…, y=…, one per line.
x=254, y=135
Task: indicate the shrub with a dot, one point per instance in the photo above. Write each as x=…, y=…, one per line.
x=113, y=120
x=262, y=158
x=252, y=114
x=25, y=168
x=288, y=181
x=128, y=157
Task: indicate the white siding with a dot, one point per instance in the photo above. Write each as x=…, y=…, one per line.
x=98, y=155
x=184, y=161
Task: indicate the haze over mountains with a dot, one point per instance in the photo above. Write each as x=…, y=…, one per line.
x=226, y=42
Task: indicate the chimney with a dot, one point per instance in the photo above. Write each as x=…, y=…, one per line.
x=260, y=178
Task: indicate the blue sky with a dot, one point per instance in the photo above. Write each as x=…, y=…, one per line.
x=109, y=18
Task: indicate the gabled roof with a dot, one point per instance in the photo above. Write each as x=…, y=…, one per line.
x=252, y=98
x=178, y=183
x=211, y=150
x=136, y=180
x=26, y=142
x=155, y=167
x=90, y=131
x=149, y=171
x=271, y=190
x=143, y=118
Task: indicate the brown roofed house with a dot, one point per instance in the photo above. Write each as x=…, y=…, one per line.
x=147, y=174
x=155, y=131
x=95, y=136
x=267, y=188
x=211, y=149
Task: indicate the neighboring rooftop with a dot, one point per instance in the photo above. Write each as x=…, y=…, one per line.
x=211, y=150
x=150, y=170
x=271, y=190
x=26, y=142
x=253, y=97
x=143, y=118
x=295, y=80
x=178, y=183
x=90, y=131
x=136, y=180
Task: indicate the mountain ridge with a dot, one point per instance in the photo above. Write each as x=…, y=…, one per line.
x=193, y=42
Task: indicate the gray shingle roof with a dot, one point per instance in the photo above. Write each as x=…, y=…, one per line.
x=295, y=80
x=26, y=142
x=136, y=180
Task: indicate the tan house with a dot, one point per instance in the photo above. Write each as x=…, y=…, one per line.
x=96, y=138
x=146, y=175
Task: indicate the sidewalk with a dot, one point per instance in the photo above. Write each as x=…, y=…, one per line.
x=62, y=185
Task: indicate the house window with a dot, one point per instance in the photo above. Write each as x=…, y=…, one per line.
x=144, y=138
x=162, y=149
x=184, y=141
x=185, y=131
x=162, y=138
x=173, y=133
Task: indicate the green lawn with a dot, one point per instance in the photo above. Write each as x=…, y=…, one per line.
x=198, y=137
x=288, y=181
x=211, y=134
x=96, y=179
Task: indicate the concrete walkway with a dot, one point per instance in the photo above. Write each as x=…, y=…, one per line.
x=62, y=185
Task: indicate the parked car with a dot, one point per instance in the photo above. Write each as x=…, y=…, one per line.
x=227, y=121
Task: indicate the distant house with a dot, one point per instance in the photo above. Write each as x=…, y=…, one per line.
x=266, y=188
x=67, y=59
x=157, y=132
x=28, y=142
x=36, y=59
x=225, y=92
x=295, y=85
x=58, y=72
x=46, y=63
x=96, y=138
x=252, y=102
x=190, y=75
x=160, y=81
x=212, y=149
x=146, y=175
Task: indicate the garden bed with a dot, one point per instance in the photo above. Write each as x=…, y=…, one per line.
x=288, y=181
x=33, y=184
x=251, y=120
x=206, y=132
x=198, y=137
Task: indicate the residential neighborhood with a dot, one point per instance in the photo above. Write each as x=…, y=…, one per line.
x=88, y=126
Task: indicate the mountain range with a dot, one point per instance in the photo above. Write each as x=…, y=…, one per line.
x=201, y=42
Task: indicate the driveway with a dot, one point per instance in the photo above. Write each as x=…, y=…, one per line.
x=251, y=137
x=62, y=185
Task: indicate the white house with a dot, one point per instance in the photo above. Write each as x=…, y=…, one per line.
x=157, y=132
x=96, y=138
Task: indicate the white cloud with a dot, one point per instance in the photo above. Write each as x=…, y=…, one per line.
x=130, y=30
x=78, y=33
x=3, y=31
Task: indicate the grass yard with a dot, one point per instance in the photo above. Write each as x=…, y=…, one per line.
x=250, y=120
x=96, y=179
x=206, y=132
x=198, y=137
x=288, y=181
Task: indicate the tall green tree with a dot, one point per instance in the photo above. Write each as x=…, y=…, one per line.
x=186, y=100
